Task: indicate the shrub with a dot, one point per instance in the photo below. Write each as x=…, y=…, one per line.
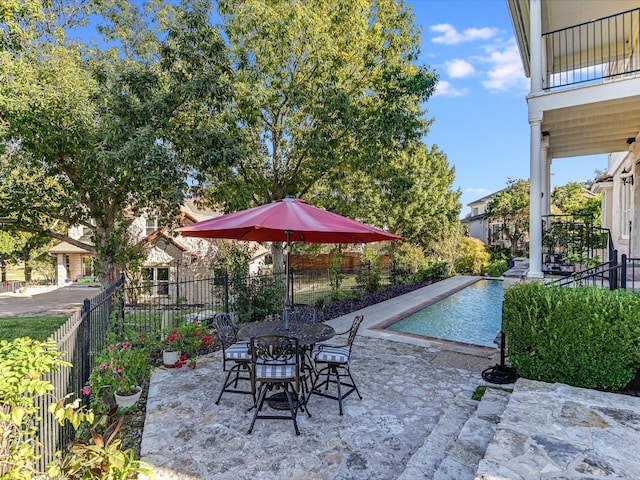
x=257, y=297
x=497, y=268
x=586, y=337
x=473, y=257
x=369, y=272
x=23, y=363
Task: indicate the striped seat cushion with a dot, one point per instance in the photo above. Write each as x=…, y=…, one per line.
x=332, y=354
x=275, y=371
x=238, y=351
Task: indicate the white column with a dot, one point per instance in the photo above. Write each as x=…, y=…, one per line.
x=535, y=39
x=61, y=270
x=535, y=217
x=545, y=177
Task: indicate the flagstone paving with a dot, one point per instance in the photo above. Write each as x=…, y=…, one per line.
x=416, y=420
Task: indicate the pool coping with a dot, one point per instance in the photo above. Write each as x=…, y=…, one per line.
x=378, y=316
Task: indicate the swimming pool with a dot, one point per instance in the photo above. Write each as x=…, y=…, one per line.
x=471, y=315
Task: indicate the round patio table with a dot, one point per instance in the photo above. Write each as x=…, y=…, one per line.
x=307, y=333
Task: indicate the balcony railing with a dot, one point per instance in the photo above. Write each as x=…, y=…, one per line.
x=593, y=51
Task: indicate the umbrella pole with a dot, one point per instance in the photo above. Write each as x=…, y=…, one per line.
x=287, y=298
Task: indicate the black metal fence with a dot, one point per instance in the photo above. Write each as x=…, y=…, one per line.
x=592, y=51
x=571, y=243
x=150, y=308
x=81, y=335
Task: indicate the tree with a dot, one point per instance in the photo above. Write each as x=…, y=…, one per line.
x=510, y=209
x=96, y=137
x=574, y=199
x=323, y=87
x=410, y=195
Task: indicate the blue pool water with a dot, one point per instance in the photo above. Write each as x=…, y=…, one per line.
x=471, y=315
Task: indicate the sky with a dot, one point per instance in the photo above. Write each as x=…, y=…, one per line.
x=479, y=107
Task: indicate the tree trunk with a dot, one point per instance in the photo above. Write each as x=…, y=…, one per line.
x=107, y=272
x=278, y=255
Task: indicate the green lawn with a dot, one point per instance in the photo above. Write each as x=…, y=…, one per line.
x=38, y=328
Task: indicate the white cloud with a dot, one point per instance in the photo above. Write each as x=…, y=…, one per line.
x=451, y=36
x=506, y=71
x=459, y=68
x=446, y=89
x=478, y=191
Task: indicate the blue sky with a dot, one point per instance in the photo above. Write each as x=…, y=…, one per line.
x=479, y=107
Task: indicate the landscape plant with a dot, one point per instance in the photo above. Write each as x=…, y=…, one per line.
x=24, y=365
x=120, y=367
x=473, y=257
x=188, y=339
x=583, y=336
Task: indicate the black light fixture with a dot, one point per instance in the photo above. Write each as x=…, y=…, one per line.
x=630, y=140
x=626, y=176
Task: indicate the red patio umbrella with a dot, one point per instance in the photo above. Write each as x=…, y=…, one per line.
x=287, y=220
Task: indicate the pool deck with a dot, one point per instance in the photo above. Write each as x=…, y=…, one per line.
x=416, y=419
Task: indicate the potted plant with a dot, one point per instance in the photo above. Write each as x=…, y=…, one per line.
x=121, y=368
x=182, y=344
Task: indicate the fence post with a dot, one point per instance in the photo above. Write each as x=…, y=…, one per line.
x=226, y=290
x=86, y=340
x=623, y=272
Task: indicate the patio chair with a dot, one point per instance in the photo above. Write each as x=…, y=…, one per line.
x=304, y=313
x=236, y=358
x=275, y=364
x=332, y=366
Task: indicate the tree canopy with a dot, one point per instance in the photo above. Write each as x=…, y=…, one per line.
x=321, y=99
x=323, y=88
x=510, y=208
x=94, y=137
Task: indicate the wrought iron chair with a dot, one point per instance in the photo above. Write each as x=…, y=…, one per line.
x=236, y=357
x=332, y=365
x=304, y=313
x=275, y=363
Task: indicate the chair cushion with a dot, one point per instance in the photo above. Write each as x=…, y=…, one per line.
x=238, y=351
x=275, y=371
x=332, y=354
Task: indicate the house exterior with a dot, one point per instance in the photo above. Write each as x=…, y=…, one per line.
x=480, y=227
x=170, y=256
x=583, y=62
x=620, y=196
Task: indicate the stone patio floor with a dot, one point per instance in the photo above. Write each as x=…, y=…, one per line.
x=407, y=384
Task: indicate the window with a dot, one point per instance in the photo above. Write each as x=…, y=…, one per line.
x=625, y=207
x=88, y=266
x=155, y=281
x=474, y=211
x=152, y=225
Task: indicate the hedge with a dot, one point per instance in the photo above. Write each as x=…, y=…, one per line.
x=585, y=336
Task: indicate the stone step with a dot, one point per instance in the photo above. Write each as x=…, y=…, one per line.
x=459, y=440
x=426, y=460
x=471, y=444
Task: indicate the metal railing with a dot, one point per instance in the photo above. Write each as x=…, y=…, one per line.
x=571, y=241
x=593, y=51
x=614, y=274
x=81, y=335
